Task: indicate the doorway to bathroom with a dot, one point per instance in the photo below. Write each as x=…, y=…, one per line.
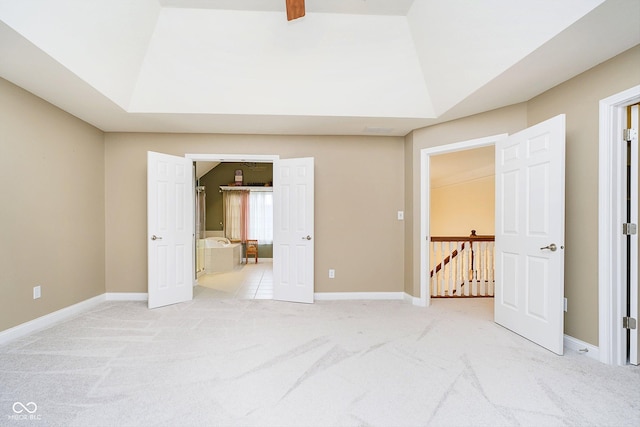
x=171, y=229
x=234, y=208
x=293, y=222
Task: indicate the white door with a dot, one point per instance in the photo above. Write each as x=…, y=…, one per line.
x=169, y=229
x=634, y=255
x=529, y=292
x=293, y=230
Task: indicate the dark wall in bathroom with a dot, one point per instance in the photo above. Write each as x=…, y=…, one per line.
x=224, y=174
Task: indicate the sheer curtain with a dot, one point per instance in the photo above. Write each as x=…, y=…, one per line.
x=261, y=217
x=236, y=214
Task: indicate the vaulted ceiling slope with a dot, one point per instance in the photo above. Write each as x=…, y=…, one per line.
x=350, y=67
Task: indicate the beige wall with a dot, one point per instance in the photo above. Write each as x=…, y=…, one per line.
x=579, y=99
x=504, y=120
x=52, y=209
x=459, y=208
x=359, y=187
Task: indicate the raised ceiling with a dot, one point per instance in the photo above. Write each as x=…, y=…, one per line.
x=350, y=67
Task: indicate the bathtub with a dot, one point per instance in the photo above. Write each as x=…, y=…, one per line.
x=220, y=254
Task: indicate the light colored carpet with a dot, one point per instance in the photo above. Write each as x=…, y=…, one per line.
x=227, y=362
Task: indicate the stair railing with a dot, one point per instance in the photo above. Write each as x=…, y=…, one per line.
x=465, y=267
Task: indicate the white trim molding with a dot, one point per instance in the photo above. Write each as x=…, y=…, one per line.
x=579, y=346
x=417, y=301
x=257, y=158
x=50, y=319
x=58, y=316
x=611, y=196
x=127, y=296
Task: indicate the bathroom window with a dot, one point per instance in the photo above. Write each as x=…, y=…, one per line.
x=261, y=216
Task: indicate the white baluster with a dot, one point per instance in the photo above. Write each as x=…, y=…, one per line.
x=434, y=279
x=448, y=278
x=467, y=268
x=441, y=272
x=482, y=269
x=459, y=269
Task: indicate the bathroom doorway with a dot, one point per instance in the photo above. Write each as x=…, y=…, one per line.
x=222, y=266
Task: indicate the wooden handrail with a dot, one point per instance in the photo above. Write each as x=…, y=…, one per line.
x=473, y=237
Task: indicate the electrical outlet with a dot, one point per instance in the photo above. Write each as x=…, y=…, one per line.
x=332, y=273
x=565, y=305
x=36, y=292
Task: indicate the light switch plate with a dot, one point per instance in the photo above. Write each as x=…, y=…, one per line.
x=400, y=215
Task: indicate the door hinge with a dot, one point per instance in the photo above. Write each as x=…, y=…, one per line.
x=628, y=323
x=629, y=229
x=629, y=134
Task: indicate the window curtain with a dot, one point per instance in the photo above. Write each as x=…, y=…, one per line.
x=261, y=217
x=236, y=215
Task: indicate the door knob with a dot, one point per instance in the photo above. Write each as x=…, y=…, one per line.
x=154, y=237
x=552, y=247
x=306, y=238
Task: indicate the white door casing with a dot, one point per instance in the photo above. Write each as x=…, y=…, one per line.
x=169, y=229
x=612, y=161
x=293, y=246
x=634, y=260
x=529, y=231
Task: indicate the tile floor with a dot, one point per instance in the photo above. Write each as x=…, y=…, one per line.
x=248, y=281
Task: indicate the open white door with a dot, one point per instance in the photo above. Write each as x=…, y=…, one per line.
x=529, y=293
x=169, y=229
x=293, y=225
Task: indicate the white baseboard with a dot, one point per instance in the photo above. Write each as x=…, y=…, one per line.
x=66, y=313
x=589, y=350
x=414, y=300
x=49, y=319
x=343, y=296
x=127, y=296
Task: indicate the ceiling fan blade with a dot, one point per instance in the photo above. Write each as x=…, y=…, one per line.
x=295, y=9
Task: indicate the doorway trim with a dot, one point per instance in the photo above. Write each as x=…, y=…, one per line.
x=425, y=200
x=258, y=158
x=611, y=186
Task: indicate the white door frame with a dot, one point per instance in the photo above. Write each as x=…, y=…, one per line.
x=611, y=289
x=425, y=201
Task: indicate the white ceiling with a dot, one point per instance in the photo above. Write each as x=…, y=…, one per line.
x=349, y=67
